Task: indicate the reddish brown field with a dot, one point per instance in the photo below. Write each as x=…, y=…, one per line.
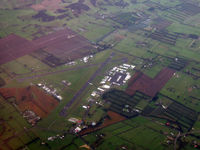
x=13, y=46
x=31, y=98
x=65, y=44
x=114, y=118
x=118, y=37
x=48, y=5
x=143, y=83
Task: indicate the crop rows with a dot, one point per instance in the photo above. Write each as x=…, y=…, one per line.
x=184, y=116
x=164, y=37
x=119, y=100
x=178, y=64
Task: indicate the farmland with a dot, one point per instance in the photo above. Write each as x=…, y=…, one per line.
x=25, y=100
x=148, y=86
x=105, y=75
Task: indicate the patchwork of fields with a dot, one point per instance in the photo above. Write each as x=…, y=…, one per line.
x=105, y=75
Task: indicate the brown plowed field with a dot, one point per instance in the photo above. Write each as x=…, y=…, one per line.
x=13, y=46
x=114, y=118
x=65, y=45
x=48, y=4
x=31, y=98
x=143, y=83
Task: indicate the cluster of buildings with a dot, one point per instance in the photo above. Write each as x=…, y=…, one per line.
x=72, y=63
x=86, y=59
x=79, y=125
x=50, y=91
x=52, y=138
x=66, y=83
x=31, y=117
x=116, y=76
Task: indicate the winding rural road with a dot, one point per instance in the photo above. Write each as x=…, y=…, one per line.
x=183, y=134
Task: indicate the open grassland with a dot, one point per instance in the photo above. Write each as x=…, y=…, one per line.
x=129, y=132
x=182, y=88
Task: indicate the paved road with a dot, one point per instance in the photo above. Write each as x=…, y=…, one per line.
x=55, y=72
x=124, y=60
x=63, y=112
